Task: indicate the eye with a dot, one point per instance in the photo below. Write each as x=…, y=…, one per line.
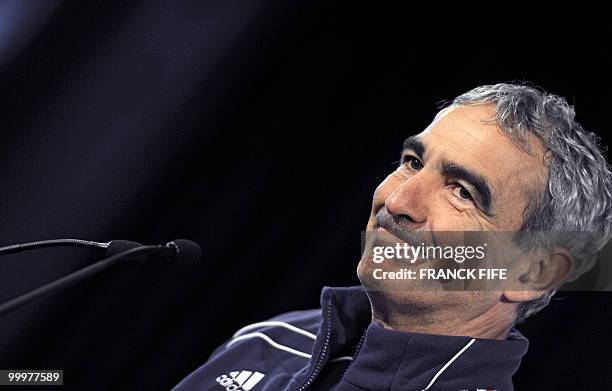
x=413, y=162
x=462, y=192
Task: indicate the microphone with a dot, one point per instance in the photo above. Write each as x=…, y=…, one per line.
x=180, y=250
x=187, y=251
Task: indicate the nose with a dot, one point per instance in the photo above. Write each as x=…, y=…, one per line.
x=410, y=199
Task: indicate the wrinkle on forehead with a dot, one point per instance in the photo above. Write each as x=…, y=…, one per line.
x=487, y=115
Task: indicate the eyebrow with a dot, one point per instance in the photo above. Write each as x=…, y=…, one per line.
x=474, y=179
x=414, y=144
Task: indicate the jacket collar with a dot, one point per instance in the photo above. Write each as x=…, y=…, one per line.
x=396, y=360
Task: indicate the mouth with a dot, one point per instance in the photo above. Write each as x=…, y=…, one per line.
x=387, y=227
x=385, y=232
x=385, y=237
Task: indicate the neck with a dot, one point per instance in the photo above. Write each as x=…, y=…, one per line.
x=494, y=323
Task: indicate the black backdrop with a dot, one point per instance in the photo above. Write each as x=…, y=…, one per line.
x=258, y=129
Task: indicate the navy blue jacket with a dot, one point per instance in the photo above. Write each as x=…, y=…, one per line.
x=339, y=347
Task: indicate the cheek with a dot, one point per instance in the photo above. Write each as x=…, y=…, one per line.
x=444, y=215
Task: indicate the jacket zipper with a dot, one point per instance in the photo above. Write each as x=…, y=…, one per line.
x=321, y=357
x=358, y=348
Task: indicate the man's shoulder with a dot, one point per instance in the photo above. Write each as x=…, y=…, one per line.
x=290, y=326
x=273, y=350
x=307, y=319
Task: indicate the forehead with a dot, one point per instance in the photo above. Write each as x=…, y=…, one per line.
x=469, y=136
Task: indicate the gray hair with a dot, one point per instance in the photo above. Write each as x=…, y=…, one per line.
x=575, y=210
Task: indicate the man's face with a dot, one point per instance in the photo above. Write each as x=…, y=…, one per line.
x=460, y=174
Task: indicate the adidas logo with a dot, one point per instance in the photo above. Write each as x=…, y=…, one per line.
x=240, y=380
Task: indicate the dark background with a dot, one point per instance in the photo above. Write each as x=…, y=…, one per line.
x=258, y=129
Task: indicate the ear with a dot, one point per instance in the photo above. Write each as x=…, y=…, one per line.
x=546, y=270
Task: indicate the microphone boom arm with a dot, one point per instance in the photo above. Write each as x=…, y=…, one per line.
x=80, y=274
x=15, y=248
